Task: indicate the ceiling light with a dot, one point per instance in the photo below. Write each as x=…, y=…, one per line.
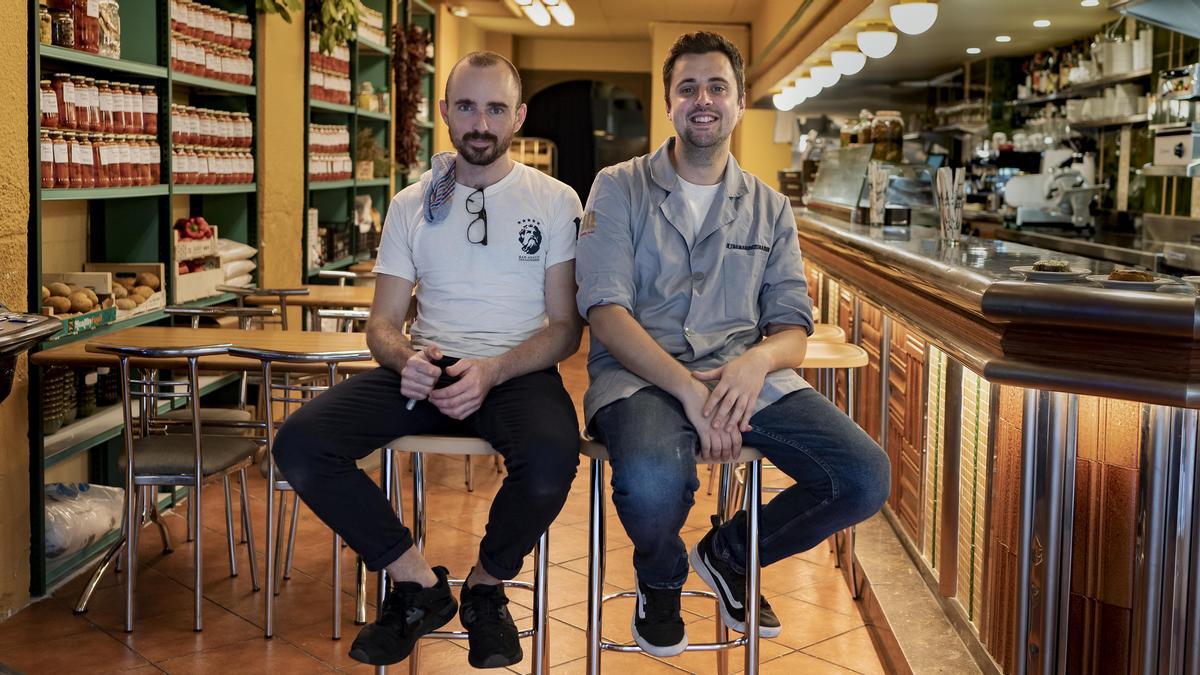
x=1090, y=3
x=537, y=13
x=523, y=3
x=1041, y=23
x=825, y=74
x=973, y=50
x=782, y=103
x=561, y=11
x=914, y=16
x=1003, y=38
x=876, y=40
x=806, y=86
x=847, y=59
x=460, y=11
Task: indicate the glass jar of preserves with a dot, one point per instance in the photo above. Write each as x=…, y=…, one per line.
x=62, y=29
x=87, y=25
x=48, y=102
x=62, y=160
x=108, y=36
x=45, y=24
x=64, y=94
x=74, y=161
x=93, y=95
x=145, y=172
x=887, y=132
x=120, y=109
x=46, y=151
x=125, y=158
x=149, y=109
x=155, y=156
x=98, y=155
x=106, y=106
x=865, y=128
x=81, y=161
x=137, y=122
x=82, y=102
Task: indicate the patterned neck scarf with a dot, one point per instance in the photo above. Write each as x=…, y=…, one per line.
x=440, y=189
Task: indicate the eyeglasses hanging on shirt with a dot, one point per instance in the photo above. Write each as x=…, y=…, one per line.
x=477, y=229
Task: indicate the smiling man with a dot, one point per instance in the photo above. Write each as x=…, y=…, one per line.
x=489, y=245
x=684, y=263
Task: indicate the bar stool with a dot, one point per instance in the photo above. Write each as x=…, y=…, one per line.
x=418, y=447
x=282, y=294
x=276, y=481
x=151, y=461
x=751, y=459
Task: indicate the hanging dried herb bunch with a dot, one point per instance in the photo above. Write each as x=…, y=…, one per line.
x=283, y=8
x=334, y=21
x=408, y=67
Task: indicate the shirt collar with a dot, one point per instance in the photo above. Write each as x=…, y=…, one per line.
x=663, y=172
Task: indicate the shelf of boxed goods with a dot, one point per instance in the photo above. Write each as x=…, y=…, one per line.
x=106, y=423
x=71, y=194
x=210, y=84
x=1082, y=88
x=125, y=66
x=232, y=189
x=136, y=320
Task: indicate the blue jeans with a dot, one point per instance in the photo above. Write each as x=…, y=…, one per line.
x=841, y=475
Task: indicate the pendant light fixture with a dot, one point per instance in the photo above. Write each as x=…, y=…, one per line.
x=914, y=16
x=824, y=74
x=806, y=86
x=847, y=59
x=877, y=39
x=535, y=11
x=561, y=11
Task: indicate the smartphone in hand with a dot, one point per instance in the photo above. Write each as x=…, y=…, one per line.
x=445, y=380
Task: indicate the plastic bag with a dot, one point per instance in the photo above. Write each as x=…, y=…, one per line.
x=78, y=514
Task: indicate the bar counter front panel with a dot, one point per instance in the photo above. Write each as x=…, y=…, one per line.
x=1055, y=524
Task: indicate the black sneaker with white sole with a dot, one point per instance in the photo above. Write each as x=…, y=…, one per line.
x=730, y=587
x=409, y=611
x=657, y=624
x=492, y=633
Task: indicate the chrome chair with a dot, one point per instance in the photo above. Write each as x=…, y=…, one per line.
x=343, y=276
x=296, y=393
x=751, y=460
x=282, y=294
x=152, y=461
x=418, y=447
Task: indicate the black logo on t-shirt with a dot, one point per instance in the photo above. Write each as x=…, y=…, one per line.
x=530, y=236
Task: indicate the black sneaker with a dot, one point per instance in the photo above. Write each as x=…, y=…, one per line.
x=492, y=633
x=657, y=625
x=730, y=587
x=409, y=612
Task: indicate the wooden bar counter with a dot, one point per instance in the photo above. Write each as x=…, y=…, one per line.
x=1042, y=439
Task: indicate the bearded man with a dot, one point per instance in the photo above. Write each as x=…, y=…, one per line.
x=489, y=245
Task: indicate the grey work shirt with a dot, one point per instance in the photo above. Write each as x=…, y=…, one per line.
x=705, y=303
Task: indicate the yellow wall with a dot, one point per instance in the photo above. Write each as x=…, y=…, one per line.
x=14, y=227
x=455, y=37
x=613, y=56
x=662, y=36
x=281, y=141
x=756, y=150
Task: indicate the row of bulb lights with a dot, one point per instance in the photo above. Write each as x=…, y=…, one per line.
x=540, y=12
x=876, y=40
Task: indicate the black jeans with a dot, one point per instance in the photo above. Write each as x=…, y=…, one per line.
x=530, y=420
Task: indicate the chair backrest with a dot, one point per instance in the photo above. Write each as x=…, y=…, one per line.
x=343, y=276
x=149, y=390
x=347, y=319
x=302, y=391
x=244, y=315
x=281, y=293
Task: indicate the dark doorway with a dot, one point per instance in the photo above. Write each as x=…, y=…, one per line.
x=593, y=124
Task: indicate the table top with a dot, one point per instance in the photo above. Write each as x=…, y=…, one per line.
x=75, y=354
x=319, y=295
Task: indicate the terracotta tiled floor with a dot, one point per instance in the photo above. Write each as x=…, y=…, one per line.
x=823, y=631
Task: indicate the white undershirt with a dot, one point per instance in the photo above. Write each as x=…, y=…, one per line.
x=699, y=199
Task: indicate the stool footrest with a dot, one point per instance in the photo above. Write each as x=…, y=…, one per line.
x=523, y=585
x=697, y=647
x=686, y=593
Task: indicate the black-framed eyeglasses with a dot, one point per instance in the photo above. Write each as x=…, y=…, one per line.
x=476, y=207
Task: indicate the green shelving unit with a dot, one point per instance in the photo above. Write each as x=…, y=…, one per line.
x=422, y=14
x=334, y=201
x=124, y=225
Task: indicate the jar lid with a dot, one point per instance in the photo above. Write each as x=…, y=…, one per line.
x=888, y=113
x=45, y=83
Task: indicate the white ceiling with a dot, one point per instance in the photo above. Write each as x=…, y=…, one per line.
x=611, y=19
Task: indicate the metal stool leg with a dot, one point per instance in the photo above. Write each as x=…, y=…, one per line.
x=418, y=534
x=386, y=481
x=337, y=587
x=156, y=518
x=277, y=563
x=248, y=529
x=541, y=606
x=192, y=496
x=230, y=535
x=360, y=592
x=198, y=551
x=291, y=547
x=725, y=511
x=596, y=538
x=753, y=573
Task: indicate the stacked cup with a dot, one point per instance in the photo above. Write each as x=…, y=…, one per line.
x=950, y=196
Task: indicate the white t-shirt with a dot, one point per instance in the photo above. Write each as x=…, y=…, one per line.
x=478, y=301
x=699, y=200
